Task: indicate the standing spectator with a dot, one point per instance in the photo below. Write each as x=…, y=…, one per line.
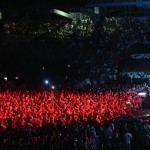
x=127, y=140
x=94, y=139
x=146, y=135
x=146, y=127
x=108, y=136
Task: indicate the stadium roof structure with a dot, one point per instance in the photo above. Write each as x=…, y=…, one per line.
x=112, y=3
x=120, y=8
x=61, y=13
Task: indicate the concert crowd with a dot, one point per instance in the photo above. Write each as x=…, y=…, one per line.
x=44, y=119
x=84, y=42
x=74, y=120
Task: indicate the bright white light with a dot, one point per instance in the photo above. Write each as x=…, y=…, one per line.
x=62, y=13
x=46, y=82
x=16, y=78
x=53, y=87
x=143, y=94
x=5, y=78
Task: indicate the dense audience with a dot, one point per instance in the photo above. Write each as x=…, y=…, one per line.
x=93, y=49
x=43, y=119
x=74, y=120
x=32, y=107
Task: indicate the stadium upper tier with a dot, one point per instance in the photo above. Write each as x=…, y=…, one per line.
x=120, y=8
x=111, y=1
x=102, y=3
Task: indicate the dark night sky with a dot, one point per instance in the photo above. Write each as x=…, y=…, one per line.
x=15, y=4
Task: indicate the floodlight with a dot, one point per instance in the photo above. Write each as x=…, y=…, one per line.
x=46, y=82
x=5, y=78
x=53, y=87
x=16, y=78
x=142, y=94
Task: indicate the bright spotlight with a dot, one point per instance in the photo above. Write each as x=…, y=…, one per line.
x=142, y=94
x=5, y=78
x=46, y=82
x=16, y=78
x=53, y=87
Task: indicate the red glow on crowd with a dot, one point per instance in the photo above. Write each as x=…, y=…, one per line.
x=34, y=108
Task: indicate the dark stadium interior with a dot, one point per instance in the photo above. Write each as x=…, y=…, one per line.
x=74, y=75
